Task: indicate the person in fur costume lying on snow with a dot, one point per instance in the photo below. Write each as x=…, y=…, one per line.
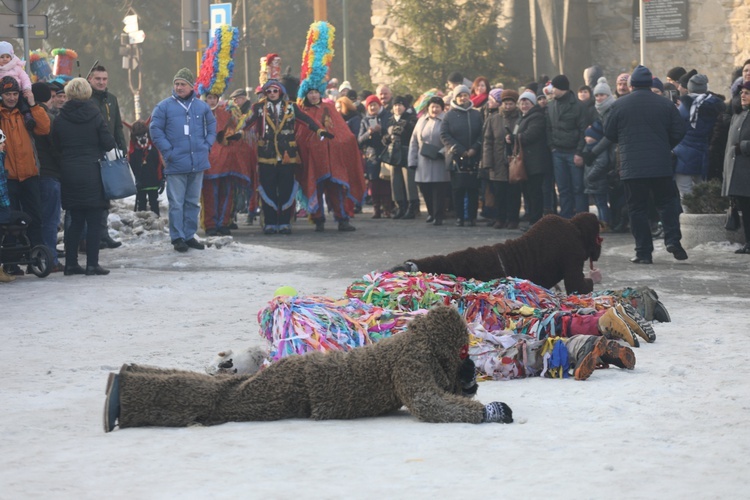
x=552, y=250
x=425, y=369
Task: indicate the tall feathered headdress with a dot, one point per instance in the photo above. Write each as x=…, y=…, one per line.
x=218, y=65
x=316, y=59
x=64, y=59
x=41, y=71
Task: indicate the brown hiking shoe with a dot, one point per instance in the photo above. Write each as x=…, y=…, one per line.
x=611, y=325
x=618, y=355
x=587, y=365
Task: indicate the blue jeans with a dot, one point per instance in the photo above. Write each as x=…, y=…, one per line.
x=184, y=194
x=49, y=189
x=602, y=205
x=569, y=180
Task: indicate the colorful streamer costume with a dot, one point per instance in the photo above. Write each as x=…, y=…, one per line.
x=514, y=325
x=64, y=60
x=41, y=71
x=332, y=167
x=274, y=118
x=231, y=158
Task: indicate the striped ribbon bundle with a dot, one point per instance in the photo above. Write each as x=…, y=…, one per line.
x=297, y=325
x=381, y=304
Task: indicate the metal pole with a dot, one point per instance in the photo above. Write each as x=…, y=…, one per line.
x=344, y=24
x=532, y=8
x=642, y=27
x=247, y=46
x=200, y=39
x=25, y=22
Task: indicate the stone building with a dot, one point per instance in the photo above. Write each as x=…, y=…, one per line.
x=553, y=36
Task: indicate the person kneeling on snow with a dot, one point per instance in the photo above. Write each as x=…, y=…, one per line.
x=425, y=369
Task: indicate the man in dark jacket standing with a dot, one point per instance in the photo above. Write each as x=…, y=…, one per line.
x=566, y=125
x=110, y=108
x=49, y=176
x=646, y=127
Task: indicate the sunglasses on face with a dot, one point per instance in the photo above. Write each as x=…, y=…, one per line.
x=272, y=91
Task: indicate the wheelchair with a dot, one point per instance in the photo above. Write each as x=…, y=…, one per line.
x=15, y=247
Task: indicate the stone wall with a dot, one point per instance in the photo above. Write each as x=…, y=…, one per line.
x=719, y=39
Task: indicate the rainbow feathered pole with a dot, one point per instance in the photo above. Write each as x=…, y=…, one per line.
x=218, y=65
x=41, y=71
x=317, y=57
x=63, y=61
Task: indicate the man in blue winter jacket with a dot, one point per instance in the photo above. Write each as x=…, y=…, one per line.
x=183, y=128
x=646, y=128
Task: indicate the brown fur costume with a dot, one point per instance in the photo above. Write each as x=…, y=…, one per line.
x=552, y=250
x=418, y=368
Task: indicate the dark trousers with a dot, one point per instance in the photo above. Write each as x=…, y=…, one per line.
x=507, y=200
x=743, y=205
x=25, y=197
x=465, y=187
x=80, y=217
x=152, y=196
x=435, y=195
x=667, y=203
x=533, y=196
x=277, y=190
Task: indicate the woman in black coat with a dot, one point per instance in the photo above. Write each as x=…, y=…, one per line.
x=81, y=135
x=737, y=163
x=461, y=133
x=532, y=132
x=396, y=140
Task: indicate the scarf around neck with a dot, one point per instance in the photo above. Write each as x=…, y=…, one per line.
x=479, y=99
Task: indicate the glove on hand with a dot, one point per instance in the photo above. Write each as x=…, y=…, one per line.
x=162, y=185
x=588, y=157
x=326, y=134
x=467, y=377
x=595, y=275
x=498, y=412
x=234, y=137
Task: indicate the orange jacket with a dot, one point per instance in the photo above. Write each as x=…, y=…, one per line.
x=20, y=157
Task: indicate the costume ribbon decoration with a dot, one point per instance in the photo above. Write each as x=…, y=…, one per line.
x=316, y=58
x=217, y=65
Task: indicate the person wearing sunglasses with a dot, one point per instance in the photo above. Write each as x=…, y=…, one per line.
x=274, y=117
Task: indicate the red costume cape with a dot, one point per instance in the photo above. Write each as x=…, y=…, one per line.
x=337, y=159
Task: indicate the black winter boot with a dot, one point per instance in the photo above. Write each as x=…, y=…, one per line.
x=411, y=211
x=401, y=212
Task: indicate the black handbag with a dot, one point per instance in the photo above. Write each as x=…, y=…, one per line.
x=431, y=151
x=117, y=178
x=733, y=218
x=465, y=164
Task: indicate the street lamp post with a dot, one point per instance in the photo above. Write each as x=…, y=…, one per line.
x=130, y=50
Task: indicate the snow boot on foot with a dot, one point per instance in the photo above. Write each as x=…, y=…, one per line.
x=587, y=364
x=112, y=402
x=635, y=321
x=617, y=354
x=611, y=325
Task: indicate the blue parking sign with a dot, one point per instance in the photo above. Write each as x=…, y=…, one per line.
x=220, y=14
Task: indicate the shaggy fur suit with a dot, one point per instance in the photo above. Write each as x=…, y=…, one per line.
x=418, y=368
x=552, y=250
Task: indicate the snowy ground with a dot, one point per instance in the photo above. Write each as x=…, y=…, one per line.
x=677, y=426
